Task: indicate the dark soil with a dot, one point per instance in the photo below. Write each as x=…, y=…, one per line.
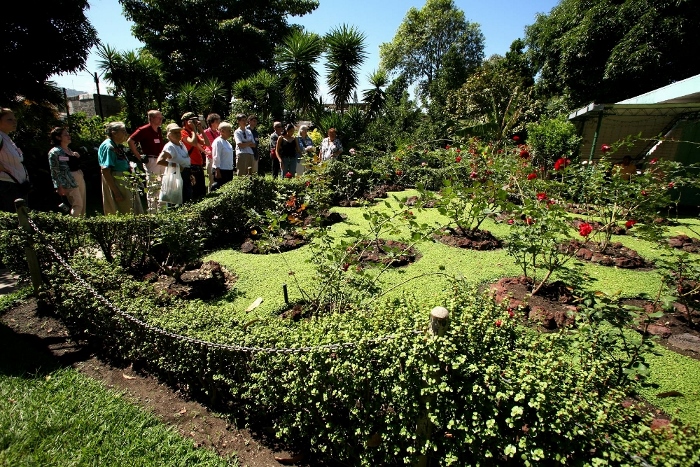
x=202, y=280
x=324, y=219
x=290, y=241
x=36, y=342
x=387, y=252
x=377, y=192
x=470, y=239
x=554, y=307
x=685, y=243
x=614, y=254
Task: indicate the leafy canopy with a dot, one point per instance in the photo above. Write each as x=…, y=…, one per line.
x=608, y=50
x=429, y=35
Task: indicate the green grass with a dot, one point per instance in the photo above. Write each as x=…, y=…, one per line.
x=62, y=418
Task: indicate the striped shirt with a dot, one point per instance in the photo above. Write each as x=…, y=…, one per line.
x=12, y=159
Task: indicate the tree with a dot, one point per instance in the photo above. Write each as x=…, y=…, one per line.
x=492, y=102
x=53, y=38
x=260, y=94
x=608, y=50
x=426, y=37
x=296, y=58
x=345, y=53
x=136, y=78
x=375, y=97
x=223, y=39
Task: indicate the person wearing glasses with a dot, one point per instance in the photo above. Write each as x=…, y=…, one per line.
x=194, y=142
x=151, y=141
x=276, y=161
x=117, y=196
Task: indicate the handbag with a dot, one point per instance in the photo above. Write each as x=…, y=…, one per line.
x=171, y=186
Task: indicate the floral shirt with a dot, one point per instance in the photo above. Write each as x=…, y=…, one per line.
x=328, y=147
x=60, y=170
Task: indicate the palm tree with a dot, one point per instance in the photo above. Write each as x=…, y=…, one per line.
x=188, y=99
x=375, y=98
x=297, y=56
x=212, y=95
x=261, y=93
x=345, y=53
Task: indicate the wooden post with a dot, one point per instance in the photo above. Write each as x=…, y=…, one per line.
x=439, y=322
x=32, y=260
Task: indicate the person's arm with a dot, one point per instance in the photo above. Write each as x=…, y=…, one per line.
x=134, y=149
x=216, y=151
x=190, y=138
x=338, y=148
x=112, y=184
x=278, y=150
x=164, y=158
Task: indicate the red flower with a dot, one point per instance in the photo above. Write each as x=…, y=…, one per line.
x=529, y=220
x=458, y=159
x=561, y=163
x=346, y=266
x=473, y=175
x=288, y=175
x=532, y=176
x=585, y=229
x=605, y=148
x=399, y=172
x=516, y=138
x=447, y=147
x=541, y=196
x=644, y=193
x=458, y=150
x=498, y=323
x=671, y=184
x=308, y=183
x=510, y=221
x=510, y=313
x=630, y=223
x=653, y=161
x=524, y=154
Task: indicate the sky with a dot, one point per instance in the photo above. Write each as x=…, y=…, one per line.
x=501, y=21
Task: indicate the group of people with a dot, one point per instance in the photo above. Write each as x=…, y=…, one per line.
x=219, y=149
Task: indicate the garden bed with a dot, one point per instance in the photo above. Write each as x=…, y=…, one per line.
x=685, y=243
x=288, y=242
x=474, y=239
x=381, y=251
x=614, y=254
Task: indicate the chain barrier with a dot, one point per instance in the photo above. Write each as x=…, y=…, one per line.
x=192, y=340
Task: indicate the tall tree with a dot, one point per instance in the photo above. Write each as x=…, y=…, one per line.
x=53, y=38
x=345, y=53
x=136, y=78
x=224, y=39
x=610, y=50
x=426, y=37
x=299, y=53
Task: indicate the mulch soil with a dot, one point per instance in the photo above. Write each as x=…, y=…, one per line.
x=685, y=243
x=377, y=192
x=413, y=200
x=469, y=239
x=290, y=241
x=614, y=254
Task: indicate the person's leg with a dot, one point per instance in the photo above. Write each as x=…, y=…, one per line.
x=210, y=175
x=275, y=167
x=8, y=194
x=186, y=185
x=289, y=166
x=76, y=201
x=80, y=180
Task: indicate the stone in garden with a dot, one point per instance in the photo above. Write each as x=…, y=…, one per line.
x=658, y=330
x=685, y=341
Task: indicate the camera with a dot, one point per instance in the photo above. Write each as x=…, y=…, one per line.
x=64, y=207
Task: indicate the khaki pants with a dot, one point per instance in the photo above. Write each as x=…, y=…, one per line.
x=130, y=203
x=76, y=196
x=246, y=164
x=154, y=174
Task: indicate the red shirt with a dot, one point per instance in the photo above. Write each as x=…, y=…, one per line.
x=151, y=140
x=193, y=151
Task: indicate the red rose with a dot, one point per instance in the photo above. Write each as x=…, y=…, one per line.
x=529, y=221
x=630, y=223
x=498, y=323
x=561, y=163
x=510, y=221
x=653, y=161
x=516, y=138
x=473, y=175
x=524, y=154
x=605, y=148
x=288, y=175
x=399, y=172
x=458, y=159
x=308, y=183
x=458, y=150
x=585, y=229
x=671, y=184
x=532, y=176
x=644, y=193
x=447, y=147
x=510, y=313
x=541, y=196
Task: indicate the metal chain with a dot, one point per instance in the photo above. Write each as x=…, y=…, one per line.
x=192, y=340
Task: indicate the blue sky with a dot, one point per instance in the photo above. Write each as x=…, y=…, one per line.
x=502, y=21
